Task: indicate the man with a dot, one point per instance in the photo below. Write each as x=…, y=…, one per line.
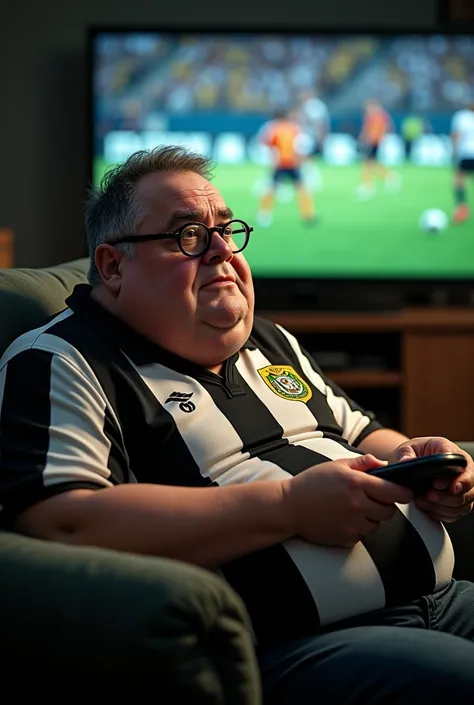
x=155, y=415
x=314, y=119
x=462, y=135
x=376, y=125
x=283, y=136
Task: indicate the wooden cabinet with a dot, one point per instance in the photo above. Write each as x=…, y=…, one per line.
x=6, y=248
x=458, y=10
x=414, y=367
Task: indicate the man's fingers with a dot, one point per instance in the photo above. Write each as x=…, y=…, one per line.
x=446, y=518
x=380, y=512
x=377, y=489
x=365, y=462
x=447, y=499
x=443, y=512
x=463, y=483
x=387, y=492
x=405, y=452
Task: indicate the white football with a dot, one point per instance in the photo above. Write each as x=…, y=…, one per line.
x=433, y=220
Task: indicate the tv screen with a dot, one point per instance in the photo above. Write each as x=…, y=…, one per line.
x=336, y=147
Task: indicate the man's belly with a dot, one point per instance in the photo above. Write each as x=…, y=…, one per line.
x=410, y=556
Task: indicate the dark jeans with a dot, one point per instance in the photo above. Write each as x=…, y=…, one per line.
x=418, y=654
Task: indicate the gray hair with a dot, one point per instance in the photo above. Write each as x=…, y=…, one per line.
x=113, y=209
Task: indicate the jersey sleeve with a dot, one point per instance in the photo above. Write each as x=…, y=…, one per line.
x=58, y=431
x=356, y=422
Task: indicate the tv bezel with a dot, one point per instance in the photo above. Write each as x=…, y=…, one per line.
x=332, y=293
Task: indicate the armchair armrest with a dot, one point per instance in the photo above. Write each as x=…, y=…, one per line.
x=91, y=612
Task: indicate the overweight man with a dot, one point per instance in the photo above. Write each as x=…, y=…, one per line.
x=157, y=415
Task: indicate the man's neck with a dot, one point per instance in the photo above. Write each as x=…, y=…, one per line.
x=216, y=369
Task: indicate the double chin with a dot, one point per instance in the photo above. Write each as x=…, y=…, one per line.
x=225, y=313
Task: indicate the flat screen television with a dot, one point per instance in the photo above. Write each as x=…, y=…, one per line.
x=363, y=217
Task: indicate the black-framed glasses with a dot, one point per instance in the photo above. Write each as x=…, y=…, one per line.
x=194, y=239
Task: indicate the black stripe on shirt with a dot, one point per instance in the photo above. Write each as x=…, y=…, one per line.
x=268, y=581
x=294, y=459
x=402, y=559
x=372, y=425
x=25, y=414
x=144, y=420
x=25, y=409
x=140, y=415
x=259, y=431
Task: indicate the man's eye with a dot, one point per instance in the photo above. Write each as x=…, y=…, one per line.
x=190, y=233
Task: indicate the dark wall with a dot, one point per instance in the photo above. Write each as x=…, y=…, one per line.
x=43, y=148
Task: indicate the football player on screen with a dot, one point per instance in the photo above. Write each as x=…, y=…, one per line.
x=313, y=115
x=462, y=135
x=284, y=137
x=376, y=125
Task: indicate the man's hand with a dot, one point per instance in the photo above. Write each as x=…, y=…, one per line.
x=447, y=500
x=332, y=505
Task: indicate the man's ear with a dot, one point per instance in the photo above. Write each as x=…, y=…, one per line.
x=109, y=263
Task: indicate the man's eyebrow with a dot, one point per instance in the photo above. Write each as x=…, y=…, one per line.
x=225, y=213
x=192, y=215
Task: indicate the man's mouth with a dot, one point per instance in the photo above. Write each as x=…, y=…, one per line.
x=219, y=281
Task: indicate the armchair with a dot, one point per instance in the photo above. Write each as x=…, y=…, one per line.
x=126, y=623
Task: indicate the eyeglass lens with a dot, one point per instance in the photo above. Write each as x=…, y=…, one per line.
x=194, y=237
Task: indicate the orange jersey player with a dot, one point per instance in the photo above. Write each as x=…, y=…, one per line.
x=376, y=124
x=282, y=135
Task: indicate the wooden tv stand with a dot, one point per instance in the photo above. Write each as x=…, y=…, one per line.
x=426, y=375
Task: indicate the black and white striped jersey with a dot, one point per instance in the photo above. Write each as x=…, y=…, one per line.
x=86, y=402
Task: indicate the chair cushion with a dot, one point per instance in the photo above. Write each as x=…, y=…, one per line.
x=29, y=296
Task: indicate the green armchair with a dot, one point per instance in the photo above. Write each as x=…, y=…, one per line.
x=137, y=625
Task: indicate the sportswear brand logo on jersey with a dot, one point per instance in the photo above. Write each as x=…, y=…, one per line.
x=286, y=382
x=182, y=400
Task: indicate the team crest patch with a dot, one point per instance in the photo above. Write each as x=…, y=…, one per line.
x=285, y=382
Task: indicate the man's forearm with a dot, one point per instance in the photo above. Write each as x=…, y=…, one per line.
x=206, y=526
x=382, y=442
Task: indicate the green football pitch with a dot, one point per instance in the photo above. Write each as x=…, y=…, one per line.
x=379, y=237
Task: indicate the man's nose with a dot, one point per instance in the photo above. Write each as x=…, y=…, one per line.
x=219, y=250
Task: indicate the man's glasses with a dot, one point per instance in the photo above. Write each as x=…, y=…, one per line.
x=194, y=239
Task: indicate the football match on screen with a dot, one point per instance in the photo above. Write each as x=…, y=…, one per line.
x=351, y=155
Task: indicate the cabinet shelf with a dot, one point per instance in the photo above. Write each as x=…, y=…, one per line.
x=421, y=320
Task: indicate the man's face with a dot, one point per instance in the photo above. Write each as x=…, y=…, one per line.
x=199, y=308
